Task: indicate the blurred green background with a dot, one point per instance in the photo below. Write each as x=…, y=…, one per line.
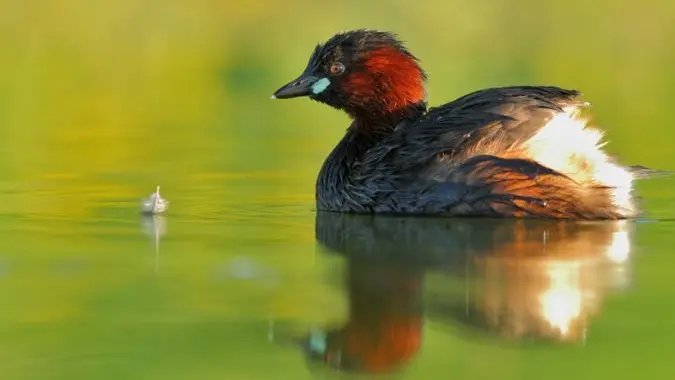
x=100, y=101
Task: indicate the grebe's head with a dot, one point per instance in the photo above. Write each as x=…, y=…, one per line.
x=367, y=73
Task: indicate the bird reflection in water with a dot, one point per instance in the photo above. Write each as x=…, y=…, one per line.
x=384, y=325
x=550, y=279
x=520, y=279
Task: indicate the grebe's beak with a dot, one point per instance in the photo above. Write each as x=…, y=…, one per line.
x=305, y=85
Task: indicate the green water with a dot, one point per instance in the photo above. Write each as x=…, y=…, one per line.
x=101, y=102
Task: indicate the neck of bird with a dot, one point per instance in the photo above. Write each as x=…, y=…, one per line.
x=371, y=125
x=367, y=130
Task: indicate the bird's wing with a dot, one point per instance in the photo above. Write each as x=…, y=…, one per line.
x=511, y=150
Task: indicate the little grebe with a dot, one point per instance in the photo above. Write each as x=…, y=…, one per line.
x=521, y=151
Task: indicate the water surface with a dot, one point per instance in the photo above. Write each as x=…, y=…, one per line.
x=268, y=287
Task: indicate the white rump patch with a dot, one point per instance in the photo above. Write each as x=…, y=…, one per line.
x=567, y=144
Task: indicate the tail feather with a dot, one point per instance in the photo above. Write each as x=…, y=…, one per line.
x=642, y=172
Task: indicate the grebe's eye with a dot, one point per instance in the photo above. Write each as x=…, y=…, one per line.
x=337, y=68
